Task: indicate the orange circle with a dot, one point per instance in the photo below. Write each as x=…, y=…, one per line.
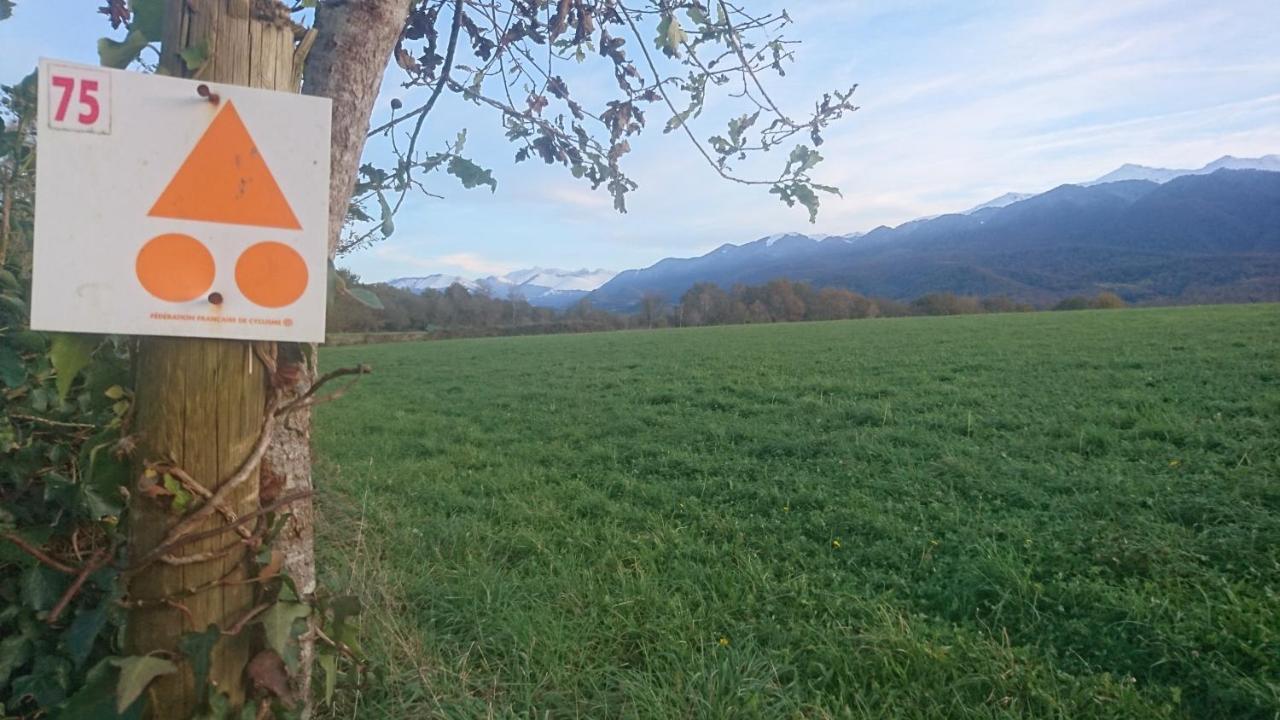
x=271, y=274
x=174, y=267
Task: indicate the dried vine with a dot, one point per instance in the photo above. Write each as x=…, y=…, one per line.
x=98, y=581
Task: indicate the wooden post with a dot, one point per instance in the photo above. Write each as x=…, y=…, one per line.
x=201, y=403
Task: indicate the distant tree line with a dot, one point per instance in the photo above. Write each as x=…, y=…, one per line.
x=458, y=312
x=1101, y=301
x=786, y=301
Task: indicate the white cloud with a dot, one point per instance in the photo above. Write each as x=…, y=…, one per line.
x=475, y=264
x=467, y=264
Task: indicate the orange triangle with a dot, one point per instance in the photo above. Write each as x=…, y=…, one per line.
x=225, y=180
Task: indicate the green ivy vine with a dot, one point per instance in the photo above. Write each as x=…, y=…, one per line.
x=67, y=471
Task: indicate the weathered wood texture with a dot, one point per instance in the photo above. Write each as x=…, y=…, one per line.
x=201, y=402
x=197, y=404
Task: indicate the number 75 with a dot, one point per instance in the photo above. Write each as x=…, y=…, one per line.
x=88, y=98
x=90, y=110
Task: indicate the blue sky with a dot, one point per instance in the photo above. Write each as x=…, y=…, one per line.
x=960, y=102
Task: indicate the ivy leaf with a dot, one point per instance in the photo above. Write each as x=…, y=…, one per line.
x=329, y=663
x=15, y=651
x=136, y=672
x=194, y=56
x=95, y=698
x=102, y=476
x=84, y=631
x=197, y=647
x=365, y=297
x=181, y=497
x=117, y=54
x=29, y=341
x=48, y=681
x=148, y=18
x=70, y=354
x=41, y=587
x=277, y=624
x=471, y=174
x=13, y=372
x=345, y=606
x=670, y=36
x=59, y=491
x=13, y=303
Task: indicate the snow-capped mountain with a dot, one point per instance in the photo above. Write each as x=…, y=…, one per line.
x=552, y=279
x=1008, y=198
x=432, y=282
x=1270, y=163
x=1204, y=235
x=545, y=287
x=1130, y=171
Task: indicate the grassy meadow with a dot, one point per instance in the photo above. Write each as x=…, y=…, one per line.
x=1052, y=515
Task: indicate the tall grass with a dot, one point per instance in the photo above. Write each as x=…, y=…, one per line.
x=1067, y=515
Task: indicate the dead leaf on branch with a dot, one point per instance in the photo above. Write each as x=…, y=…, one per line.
x=267, y=671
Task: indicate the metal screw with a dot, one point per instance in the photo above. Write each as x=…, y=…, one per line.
x=215, y=298
x=203, y=91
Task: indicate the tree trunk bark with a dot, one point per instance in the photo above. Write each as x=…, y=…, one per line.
x=201, y=403
x=347, y=64
x=352, y=43
x=286, y=469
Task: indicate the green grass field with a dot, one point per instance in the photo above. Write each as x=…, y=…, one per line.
x=1053, y=515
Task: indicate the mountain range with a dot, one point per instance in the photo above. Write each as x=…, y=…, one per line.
x=1200, y=236
x=1210, y=234
x=545, y=287
x=1161, y=175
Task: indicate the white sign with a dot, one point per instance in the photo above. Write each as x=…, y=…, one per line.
x=175, y=207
